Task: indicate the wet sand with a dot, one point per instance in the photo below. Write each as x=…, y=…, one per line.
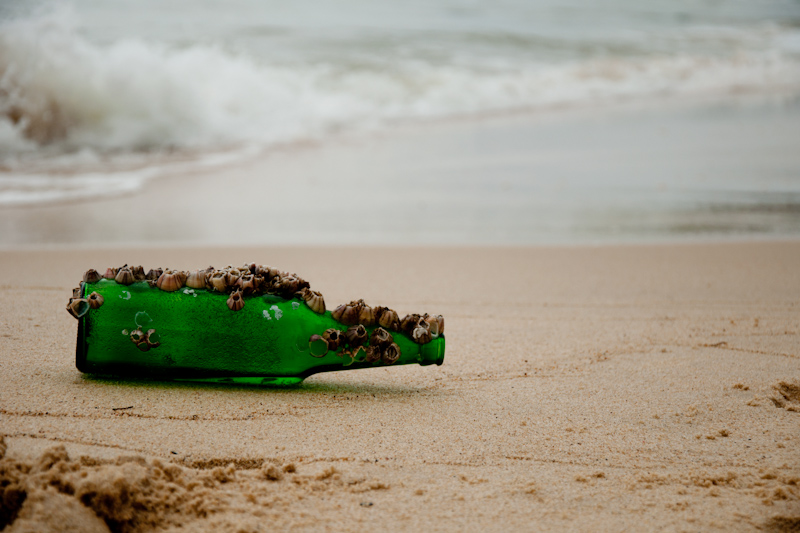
x=584, y=388
x=700, y=170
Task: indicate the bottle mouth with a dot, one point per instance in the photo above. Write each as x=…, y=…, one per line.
x=432, y=353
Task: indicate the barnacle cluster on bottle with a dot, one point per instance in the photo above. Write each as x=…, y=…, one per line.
x=379, y=345
x=356, y=343
x=252, y=280
x=248, y=280
x=421, y=328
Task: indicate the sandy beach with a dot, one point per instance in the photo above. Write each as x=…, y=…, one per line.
x=601, y=199
x=584, y=388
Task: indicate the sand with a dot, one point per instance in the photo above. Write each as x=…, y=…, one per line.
x=584, y=388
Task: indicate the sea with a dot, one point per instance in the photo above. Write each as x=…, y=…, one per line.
x=103, y=99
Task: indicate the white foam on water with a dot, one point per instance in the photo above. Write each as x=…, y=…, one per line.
x=68, y=104
x=19, y=188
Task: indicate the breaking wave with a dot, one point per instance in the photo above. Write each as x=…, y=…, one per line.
x=61, y=93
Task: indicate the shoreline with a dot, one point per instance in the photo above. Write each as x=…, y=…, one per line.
x=709, y=171
x=704, y=240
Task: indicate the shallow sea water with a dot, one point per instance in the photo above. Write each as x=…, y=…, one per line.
x=113, y=100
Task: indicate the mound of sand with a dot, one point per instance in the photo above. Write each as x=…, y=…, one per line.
x=58, y=494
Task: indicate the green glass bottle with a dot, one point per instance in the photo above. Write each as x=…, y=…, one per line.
x=253, y=325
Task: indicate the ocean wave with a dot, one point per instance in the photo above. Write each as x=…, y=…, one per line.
x=61, y=93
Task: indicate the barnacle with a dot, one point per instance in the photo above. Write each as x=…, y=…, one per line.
x=314, y=300
x=380, y=337
x=153, y=274
x=318, y=346
x=390, y=354
x=355, y=335
x=78, y=307
x=91, y=276
x=387, y=318
x=95, y=300
x=333, y=337
x=196, y=279
x=236, y=301
x=124, y=276
x=171, y=280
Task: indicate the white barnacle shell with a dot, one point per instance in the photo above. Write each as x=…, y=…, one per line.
x=421, y=334
x=196, y=279
x=137, y=336
x=216, y=281
x=124, y=276
x=232, y=275
x=366, y=316
x=437, y=324
x=171, y=280
x=314, y=301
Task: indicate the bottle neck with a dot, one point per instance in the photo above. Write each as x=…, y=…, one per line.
x=432, y=353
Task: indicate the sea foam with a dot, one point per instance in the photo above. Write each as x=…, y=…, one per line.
x=63, y=93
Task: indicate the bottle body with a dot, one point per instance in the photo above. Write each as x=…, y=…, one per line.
x=193, y=334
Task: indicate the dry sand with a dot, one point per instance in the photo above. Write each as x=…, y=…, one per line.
x=596, y=389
